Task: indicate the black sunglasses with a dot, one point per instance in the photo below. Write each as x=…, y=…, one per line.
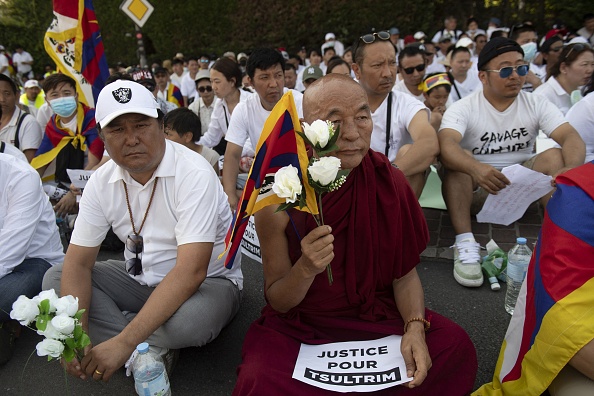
x=208, y=88
x=134, y=244
x=411, y=70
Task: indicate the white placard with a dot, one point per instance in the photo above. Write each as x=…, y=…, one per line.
x=250, y=244
x=510, y=204
x=79, y=177
x=356, y=366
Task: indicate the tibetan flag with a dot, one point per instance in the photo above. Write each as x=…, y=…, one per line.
x=279, y=146
x=174, y=95
x=73, y=41
x=554, y=316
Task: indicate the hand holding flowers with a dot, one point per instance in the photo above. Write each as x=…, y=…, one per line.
x=57, y=319
x=323, y=173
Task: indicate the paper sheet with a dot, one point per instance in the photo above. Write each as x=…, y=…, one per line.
x=511, y=203
x=357, y=366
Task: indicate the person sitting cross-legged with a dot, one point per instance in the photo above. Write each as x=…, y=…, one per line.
x=167, y=204
x=488, y=130
x=374, y=234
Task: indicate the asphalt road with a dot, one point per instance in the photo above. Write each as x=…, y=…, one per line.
x=210, y=370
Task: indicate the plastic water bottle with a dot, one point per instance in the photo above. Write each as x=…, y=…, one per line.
x=518, y=259
x=150, y=377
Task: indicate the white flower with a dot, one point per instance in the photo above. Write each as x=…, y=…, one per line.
x=319, y=132
x=50, y=347
x=287, y=184
x=67, y=305
x=24, y=310
x=64, y=324
x=47, y=295
x=51, y=332
x=324, y=170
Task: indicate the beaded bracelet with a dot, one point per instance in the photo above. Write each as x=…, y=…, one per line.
x=426, y=323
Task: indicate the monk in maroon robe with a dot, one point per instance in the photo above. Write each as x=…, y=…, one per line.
x=374, y=234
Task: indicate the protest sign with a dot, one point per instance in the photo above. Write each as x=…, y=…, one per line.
x=356, y=366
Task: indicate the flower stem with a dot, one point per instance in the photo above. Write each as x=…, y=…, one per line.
x=321, y=222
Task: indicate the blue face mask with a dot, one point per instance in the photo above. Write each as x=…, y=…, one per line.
x=64, y=107
x=529, y=51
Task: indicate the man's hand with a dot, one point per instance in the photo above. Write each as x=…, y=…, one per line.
x=74, y=367
x=415, y=353
x=232, y=198
x=105, y=359
x=560, y=171
x=317, y=251
x=66, y=205
x=489, y=178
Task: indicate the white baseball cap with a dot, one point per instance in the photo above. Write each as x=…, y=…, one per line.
x=464, y=42
x=330, y=36
x=32, y=84
x=124, y=97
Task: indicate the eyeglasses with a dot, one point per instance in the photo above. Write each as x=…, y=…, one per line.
x=577, y=47
x=370, y=38
x=507, y=71
x=208, y=88
x=134, y=244
x=204, y=61
x=411, y=70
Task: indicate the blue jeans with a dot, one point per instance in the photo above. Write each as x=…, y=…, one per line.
x=24, y=279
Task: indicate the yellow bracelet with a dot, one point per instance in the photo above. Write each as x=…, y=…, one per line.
x=426, y=323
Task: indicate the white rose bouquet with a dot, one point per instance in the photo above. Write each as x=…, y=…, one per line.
x=323, y=173
x=57, y=319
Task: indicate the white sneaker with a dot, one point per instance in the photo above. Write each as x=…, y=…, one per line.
x=467, y=263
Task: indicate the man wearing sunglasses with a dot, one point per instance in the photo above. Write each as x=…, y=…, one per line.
x=491, y=129
x=412, y=66
x=401, y=128
x=204, y=105
x=167, y=204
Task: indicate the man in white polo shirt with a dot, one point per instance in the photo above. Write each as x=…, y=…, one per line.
x=166, y=202
x=266, y=70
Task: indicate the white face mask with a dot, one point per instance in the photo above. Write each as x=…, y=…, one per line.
x=529, y=51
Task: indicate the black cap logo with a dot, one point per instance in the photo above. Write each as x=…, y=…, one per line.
x=122, y=95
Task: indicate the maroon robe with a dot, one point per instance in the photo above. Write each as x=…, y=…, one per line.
x=379, y=232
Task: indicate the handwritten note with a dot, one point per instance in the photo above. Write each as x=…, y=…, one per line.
x=357, y=366
x=511, y=203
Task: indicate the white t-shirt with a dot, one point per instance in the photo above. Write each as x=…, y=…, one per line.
x=4, y=63
x=188, y=86
x=404, y=108
x=501, y=138
x=189, y=206
x=44, y=114
x=177, y=80
x=219, y=120
x=435, y=66
x=468, y=86
x=249, y=117
x=27, y=221
x=401, y=87
x=555, y=93
x=581, y=117
x=15, y=152
x=18, y=59
x=30, y=133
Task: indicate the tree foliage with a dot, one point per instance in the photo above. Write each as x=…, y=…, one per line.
x=195, y=27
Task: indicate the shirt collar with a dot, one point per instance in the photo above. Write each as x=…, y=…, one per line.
x=165, y=169
x=557, y=87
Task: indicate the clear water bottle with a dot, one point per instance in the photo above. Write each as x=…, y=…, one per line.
x=518, y=259
x=150, y=377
